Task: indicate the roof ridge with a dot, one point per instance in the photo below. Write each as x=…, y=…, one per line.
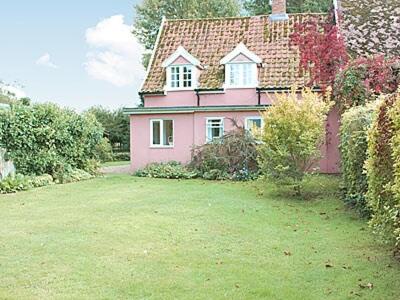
x=240, y=17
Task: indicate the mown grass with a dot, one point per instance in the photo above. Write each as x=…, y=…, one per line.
x=121, y=237
x=115, y=163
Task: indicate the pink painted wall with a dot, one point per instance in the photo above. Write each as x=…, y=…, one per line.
x=190, y=129
x=189, y=98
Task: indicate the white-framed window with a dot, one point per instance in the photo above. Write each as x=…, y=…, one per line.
x=241, y=75
x=180, y=77
x=254, y=124
x=214, y=128
x=161, y=133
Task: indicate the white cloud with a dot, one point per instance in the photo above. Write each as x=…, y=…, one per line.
x=12, y=90
x=45, y=61
x=116, y=53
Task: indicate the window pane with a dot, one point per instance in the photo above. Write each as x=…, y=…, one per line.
x=187, y=76
x=156, y=132
x=215, y=129
x=168, y=134
x=175, y=77
x=247, y=74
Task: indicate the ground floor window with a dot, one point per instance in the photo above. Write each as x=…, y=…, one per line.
x=214, y=128
x=254, y=124
x=162, y=133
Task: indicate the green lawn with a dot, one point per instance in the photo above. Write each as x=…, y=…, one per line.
x=123, y=237
x=115, y=163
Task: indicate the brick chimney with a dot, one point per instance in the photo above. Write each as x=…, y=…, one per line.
x=278, y=10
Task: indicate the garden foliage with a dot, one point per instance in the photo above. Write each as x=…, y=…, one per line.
x=326, y=56
x=170, y=170
x=293, y=133
x=19, y=182
x=234, y=156
x=363, y=79
x=354, y=128
x=44, y=138
x=383, y=170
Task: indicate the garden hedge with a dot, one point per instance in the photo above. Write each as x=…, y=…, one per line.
x=44, y=138
x=353, y=148
x=383, y=170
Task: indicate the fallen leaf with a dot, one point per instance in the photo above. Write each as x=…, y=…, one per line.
x=287, y=253
x=328, y=265
x=237, y=285
x=369, y=285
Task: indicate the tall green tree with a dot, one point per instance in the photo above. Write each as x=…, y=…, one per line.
x=115, y=124
x=150, y=12
x=262, y=7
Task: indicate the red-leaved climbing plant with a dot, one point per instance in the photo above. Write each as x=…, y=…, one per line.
x=322, y=49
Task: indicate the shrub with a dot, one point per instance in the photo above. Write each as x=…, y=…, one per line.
x=40, y=181
x=383, y=170
x=353, y=148
x=13, y=184
x=103, y=151
x=363, y=79
x=170, y=170
x=234, y=156
x=292, y=135
x=121, y=156
x=41, y=137
x=70, y=175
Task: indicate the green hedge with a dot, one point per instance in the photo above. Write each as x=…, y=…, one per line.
x=169, y=170
x=44, y=138
x=383, y=170
x=353, y=148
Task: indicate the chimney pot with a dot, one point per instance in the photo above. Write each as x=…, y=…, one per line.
x=278, y=10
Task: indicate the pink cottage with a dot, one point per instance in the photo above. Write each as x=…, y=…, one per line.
x=203, y=73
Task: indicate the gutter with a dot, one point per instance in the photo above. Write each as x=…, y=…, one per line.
x=191, y=109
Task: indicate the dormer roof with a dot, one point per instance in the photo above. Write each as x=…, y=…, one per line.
x=180, y=52
x=240, y=49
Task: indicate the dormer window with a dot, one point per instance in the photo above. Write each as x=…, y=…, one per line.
x=241, y=68
x=181, y=70
x=241, y=74
x=181, y=76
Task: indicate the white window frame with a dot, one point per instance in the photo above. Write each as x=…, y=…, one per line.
x=181, y=78
x=246, y=126
x=152, y=121
x=222, y=120
x=253, y=82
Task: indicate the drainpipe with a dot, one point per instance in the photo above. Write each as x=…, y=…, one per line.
x=198, y=96
x=259, y=95
x=141, y=95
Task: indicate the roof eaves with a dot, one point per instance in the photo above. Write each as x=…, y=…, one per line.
x=153, y=52
x=191, y=109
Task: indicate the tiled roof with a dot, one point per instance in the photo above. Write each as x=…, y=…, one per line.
x=209, y=40
x=371, y=26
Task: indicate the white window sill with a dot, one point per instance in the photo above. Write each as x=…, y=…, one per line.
x=179, y=89
x=229, y=87
x=161, y=147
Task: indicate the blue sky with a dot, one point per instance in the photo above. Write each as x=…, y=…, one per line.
x=75, y=53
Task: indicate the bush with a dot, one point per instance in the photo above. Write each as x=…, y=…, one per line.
x=40, y=181
x=353, y=148
x=13, y=184
x=362, y=80
x=19, y=182
x=383, y=170
x=103, y=151
x=170, y=170
x=234, y=156
x=70, y=175
x=121, y=156
x=293, y=133
x=41, y=137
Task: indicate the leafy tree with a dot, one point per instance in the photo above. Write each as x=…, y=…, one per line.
x=262, y=7
x=44, y=138
x=327, y=55
x=293, y=133
x=149, y=14
x=115, y=124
